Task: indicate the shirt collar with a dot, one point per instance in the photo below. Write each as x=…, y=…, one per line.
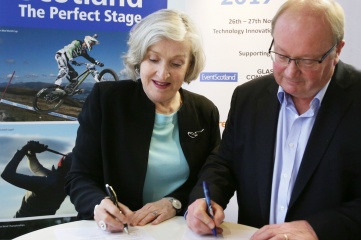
x=316, y=101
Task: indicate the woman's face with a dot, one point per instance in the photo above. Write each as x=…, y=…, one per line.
x=163, y=69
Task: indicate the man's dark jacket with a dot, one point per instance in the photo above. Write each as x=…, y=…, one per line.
x=327, y=191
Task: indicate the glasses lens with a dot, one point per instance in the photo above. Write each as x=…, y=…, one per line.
x=308, y=64
x=279, y=59
x=302, y=64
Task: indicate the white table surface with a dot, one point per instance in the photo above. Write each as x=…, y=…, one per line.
x=172, y=229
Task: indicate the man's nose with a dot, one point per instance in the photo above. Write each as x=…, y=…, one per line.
x=291, y=67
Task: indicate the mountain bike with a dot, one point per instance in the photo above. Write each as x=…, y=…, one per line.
x=47, y=99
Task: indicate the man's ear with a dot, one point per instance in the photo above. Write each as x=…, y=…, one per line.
x=339, y=47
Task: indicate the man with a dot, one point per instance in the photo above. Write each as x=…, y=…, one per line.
x=291, y=147
x=66, y=55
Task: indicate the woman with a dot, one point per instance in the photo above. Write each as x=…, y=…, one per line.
x=147, y=138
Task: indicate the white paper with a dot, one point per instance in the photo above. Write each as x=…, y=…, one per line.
x=228, y=233
x=84, y=233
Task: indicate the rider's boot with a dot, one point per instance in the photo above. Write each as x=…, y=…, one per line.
x=58, y=90
x=73, y=83
x=69, y=89
x=79, y=91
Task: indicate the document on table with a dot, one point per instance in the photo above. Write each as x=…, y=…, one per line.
x=228, y=233
x=175, y=229
x=86, y=233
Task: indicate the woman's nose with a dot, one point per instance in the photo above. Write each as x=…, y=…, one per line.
x=163, y=72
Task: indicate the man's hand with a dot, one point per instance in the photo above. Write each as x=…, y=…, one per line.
x=300, y=230
x=200, y=222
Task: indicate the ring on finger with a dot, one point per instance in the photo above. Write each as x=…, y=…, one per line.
x=155, y=213
x=102, y=225
x=286, y=237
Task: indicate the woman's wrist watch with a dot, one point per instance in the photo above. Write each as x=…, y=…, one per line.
x=176, y=204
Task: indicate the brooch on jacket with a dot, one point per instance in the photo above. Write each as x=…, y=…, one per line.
x=195, y=134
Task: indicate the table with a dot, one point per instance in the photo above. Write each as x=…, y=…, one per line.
x=175, y=228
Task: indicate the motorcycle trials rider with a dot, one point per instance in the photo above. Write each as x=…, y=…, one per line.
x=66, y=55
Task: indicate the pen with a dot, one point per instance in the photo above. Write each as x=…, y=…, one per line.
x=113, y=197
x=207, y=195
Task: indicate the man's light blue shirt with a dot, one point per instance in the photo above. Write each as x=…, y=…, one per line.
x=293, y=131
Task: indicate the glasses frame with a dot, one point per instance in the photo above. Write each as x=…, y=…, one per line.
x=298, y=59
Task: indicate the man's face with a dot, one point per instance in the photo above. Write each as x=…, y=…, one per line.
x=303, y=35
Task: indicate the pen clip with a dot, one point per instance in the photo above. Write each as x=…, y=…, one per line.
x=114, y=198
x=112, y=194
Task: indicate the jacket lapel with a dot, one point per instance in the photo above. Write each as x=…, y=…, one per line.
x=264, y=139
x=333, y=107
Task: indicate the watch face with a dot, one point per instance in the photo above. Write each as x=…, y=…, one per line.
x=177, y=204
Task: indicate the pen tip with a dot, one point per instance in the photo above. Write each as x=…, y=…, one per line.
x=126, y=230
x=214, y=232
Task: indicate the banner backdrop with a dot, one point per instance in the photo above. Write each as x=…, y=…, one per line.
x=237, y=36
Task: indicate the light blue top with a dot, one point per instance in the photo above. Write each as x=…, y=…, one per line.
x=293, y=131
x=167, y=166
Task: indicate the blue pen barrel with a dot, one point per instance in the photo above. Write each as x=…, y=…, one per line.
x=207, y=195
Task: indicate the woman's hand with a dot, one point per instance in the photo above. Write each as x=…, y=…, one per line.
x=155, y=212
x=109, y=218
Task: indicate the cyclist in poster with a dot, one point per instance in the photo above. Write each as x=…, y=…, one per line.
x=66, y=55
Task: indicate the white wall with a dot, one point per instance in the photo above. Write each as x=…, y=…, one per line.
x=351, y=53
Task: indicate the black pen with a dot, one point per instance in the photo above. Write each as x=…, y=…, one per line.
x=113, y=197
x=207, y=195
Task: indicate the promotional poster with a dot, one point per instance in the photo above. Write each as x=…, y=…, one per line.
x=32, y=33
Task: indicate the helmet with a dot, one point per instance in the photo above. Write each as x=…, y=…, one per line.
x=90, y=41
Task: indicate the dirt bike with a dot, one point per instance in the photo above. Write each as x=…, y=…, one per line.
x=47, y=99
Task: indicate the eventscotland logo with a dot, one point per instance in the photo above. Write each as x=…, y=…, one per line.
x=219, y=77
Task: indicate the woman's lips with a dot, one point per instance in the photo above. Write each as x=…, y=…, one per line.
x=161, y=84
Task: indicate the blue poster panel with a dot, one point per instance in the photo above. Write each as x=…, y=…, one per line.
x=33, y=34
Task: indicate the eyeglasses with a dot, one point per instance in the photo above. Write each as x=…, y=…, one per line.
x=302, y=63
